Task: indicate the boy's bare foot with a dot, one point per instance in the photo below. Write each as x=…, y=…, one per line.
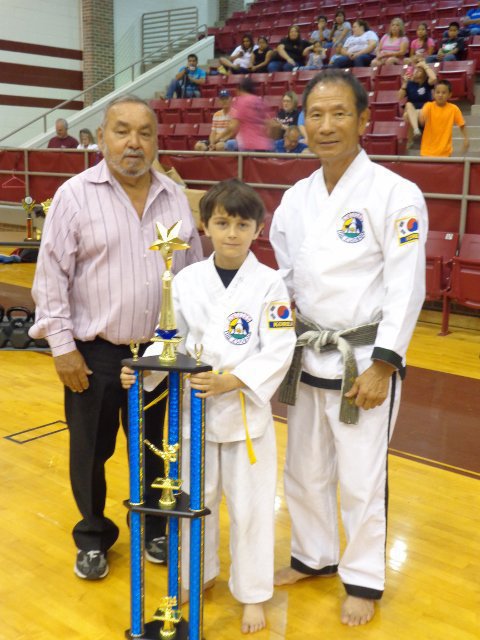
x=253, y=618
x=356, y=611
x=186, y=593
x=287, y=575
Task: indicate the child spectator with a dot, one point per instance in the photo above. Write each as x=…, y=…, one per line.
x=393, y=46
x=241, y=59
x=238, y=310
x=321, y=33
x=452, y=45
x=341, y=30
x=261, y=56
x=317, y=56
x=418, y=91
x=422, y=46
x=438, y=118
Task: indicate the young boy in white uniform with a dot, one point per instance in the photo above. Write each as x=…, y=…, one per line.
x=238, y=310
x=350, y=242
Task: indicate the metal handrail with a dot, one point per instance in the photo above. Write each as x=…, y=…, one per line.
x=201, y=28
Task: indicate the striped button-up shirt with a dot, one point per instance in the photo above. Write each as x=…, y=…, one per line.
x=95, y=274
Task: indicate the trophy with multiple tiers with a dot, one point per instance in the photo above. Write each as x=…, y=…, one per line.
x=168, y=622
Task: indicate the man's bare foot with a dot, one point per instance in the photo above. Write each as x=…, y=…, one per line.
x=287, y=575
x=186, y=593
x=253, y=618
x=356, y=611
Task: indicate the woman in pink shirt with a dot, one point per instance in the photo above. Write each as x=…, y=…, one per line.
x=393, y=47
x=249, y=120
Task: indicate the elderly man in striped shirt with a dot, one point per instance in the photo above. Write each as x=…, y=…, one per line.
x=97, y=288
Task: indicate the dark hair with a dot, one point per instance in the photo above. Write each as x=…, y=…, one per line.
x=454, y=24
x=250, y=37
x=263, y=38
x=425, y=37
x=246, y=85
x=362, y=23
x=193, y=55
x=236, y=197
x=447, y=83
x=337, y=76
x=322, y=18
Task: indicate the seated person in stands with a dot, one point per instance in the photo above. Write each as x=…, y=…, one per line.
x=301, y=126
x=452, y=45
x=422, y=46
x=317, y=56
x=290, y=143
x=418, y=91
x=321, y=33
x=341, y=30
x=287, y=115
x=393, y=46
x=290, y=52
x=188, y=81
x=438, y=118
x=261, y=56
x=62, y=140
x=358, y=48
x=220, y=121
x=87, y=141
x=471, y=22
x=241, y=59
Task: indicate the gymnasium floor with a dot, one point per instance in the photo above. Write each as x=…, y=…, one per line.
x=433, y=549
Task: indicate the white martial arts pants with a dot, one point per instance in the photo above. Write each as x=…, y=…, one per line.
x=323, y=453
x=250, y=495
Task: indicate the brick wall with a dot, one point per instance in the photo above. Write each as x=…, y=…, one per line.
x=98, y=47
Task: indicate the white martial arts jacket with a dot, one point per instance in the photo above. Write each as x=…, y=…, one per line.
x=245, y=329
x=353, y=257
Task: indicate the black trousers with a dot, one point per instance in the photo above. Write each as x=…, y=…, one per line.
x=93, y=419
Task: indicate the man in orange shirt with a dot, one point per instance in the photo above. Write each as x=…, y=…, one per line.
x=438, y=118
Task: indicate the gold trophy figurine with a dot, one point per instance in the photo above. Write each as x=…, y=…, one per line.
x=28, y=204
x=168, y=485
x=169, y=616
x=167, y=242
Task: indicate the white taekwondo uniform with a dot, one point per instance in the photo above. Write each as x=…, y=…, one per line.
x=349, y=258
x=245, y=329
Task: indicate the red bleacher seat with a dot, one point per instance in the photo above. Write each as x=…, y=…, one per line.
x=180, y=137
x=441, y=247
x=389, y=77
x=465, y=278
x=212, y=86
x=365, y=75
x=384, y=106
x=419, y=11
x=202, y=133
x=461, y=74
x=174, y=112
x=163, y=131
x=393, y=10
x=279, y=82
x=301, y=78
x=384, y=144
x=398, y=127
x=447, y=9
x=473, y=54
x=199, y=110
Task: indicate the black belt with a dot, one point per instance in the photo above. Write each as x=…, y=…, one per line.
x=321, y=383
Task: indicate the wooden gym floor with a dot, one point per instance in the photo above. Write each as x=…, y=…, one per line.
x=433, y=549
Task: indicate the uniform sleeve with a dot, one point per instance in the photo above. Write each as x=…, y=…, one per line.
x=404, y=278
x=263, y=371
x=278, y=240
x=53, y=276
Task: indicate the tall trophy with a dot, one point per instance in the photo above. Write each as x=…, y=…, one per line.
x=168, y=621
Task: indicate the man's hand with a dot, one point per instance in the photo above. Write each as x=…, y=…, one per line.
x=370, y=388
x=73, y=371
x=213, y=384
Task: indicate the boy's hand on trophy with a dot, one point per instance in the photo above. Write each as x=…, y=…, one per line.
x=127, y=377
x=213, y=383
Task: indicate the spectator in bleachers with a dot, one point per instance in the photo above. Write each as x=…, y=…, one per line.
x=452, y=45
x=393, y=46
x=62, y=140
x=87, y=141
x=290, y=143
x=321, y=33
x=287, y=115
x=241, y=59
x=471, y=22
x=188, y=81
x=342, y=29
x=249, y=120
x=261, y=56
x=421, y=46
x=358, y=48
x=317, y=56
x=218, y=140
x=290, y=52
x=418, y=91
x=438, y=118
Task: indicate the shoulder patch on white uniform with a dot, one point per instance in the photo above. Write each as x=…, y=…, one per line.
x=279, y=315
x=407, y=230
x=352, y=227
x=238, y=329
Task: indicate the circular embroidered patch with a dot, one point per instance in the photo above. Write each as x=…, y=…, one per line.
x=238, y=329
x=352, y=227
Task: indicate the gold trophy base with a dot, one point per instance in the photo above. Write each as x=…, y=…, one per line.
x=170, y=346
x=169, y=616
x=168, y=486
